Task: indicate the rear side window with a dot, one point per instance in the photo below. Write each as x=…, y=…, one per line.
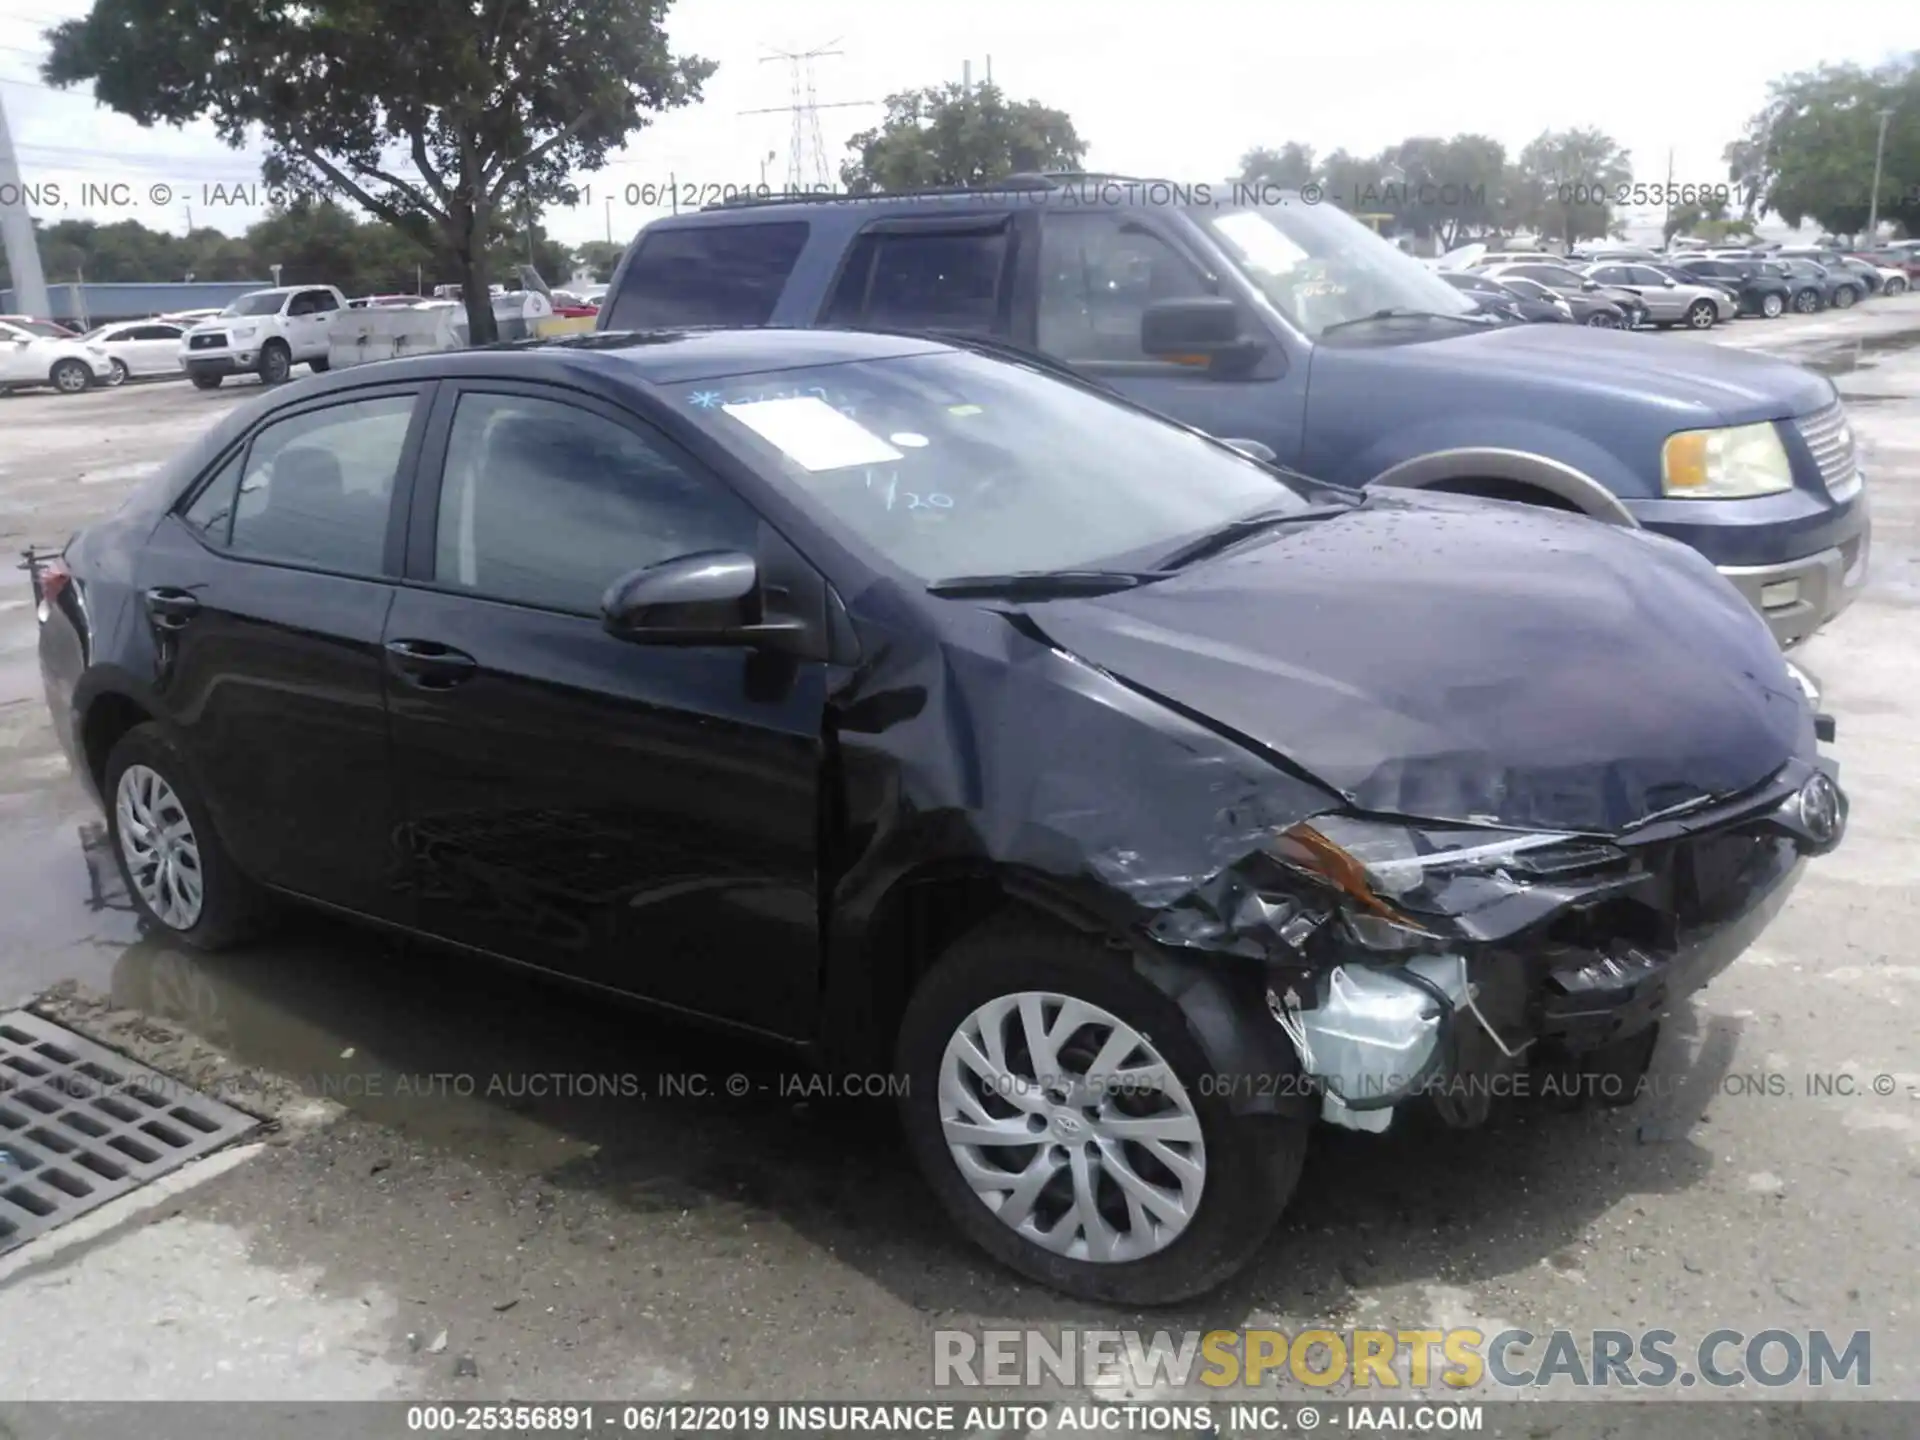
x=925, y=281
x=315, y=489
x=708, y=275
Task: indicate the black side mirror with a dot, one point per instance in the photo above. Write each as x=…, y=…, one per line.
x=1198, y=330
x=712, y=598
x=1590, y=285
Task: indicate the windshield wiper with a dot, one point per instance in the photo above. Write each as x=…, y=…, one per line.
x=1394, y=312
x=1234, y=531
x=1040, y=584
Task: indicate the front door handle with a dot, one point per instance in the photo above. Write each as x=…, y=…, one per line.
x=429, y=665
x=171, y=607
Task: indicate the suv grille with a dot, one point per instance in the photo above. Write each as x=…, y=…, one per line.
x=207, y=342
x=1830, y=439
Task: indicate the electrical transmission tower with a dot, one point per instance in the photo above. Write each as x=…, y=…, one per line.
x=806, y=151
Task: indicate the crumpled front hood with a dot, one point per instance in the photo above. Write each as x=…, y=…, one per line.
x=1466, y=660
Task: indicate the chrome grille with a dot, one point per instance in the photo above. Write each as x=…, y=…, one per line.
x=1830, y=439
x=206, y=342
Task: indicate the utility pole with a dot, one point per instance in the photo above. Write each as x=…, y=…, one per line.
x=16, y=231
x=609, y=219
x=1666, y=220
x=1873, y=200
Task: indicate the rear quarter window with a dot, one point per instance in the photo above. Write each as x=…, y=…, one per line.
x=707, y=275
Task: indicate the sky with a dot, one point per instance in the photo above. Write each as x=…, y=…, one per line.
x=1183, y=100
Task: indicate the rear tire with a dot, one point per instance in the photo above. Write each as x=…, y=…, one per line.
x=176, y=870
x=1896, y=286
x=1773, y=306
x=1248, y=1166
x=206, y=382
x=320, y=366
x=117, y=374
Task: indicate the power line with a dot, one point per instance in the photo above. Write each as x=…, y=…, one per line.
x=806, y=152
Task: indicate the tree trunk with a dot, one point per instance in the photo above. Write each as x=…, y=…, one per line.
x=471, y=261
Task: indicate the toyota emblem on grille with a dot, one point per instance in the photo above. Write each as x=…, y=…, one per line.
x=1819, y=807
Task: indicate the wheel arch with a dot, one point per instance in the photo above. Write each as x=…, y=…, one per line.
x=1459, y=471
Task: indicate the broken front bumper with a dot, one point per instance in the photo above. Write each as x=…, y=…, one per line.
x=1505, y=968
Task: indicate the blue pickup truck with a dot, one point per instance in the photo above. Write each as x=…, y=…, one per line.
x=1293, y=326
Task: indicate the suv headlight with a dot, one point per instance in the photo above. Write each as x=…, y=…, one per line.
x=242, y=332
x=1730, y=463
x=1389, y=871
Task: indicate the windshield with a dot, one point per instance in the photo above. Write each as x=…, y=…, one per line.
x=1318, y=266
x=42, y=329
x=262, y=302
x=954, y=464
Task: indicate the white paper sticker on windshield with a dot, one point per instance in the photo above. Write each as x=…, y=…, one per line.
x=1263, y=243
x=812, y=433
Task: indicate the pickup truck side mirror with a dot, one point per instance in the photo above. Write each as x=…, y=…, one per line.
x=710, y=598
x=1201, y=330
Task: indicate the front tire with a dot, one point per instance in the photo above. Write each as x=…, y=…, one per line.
x=1092, y=1157
x=117, y=373
x=1600, y=320
x=276, y=363
x=1806, y=302
x=70, y=377
x=1844, y=297
x=321, y=365
x=1701, y=315
x=175, y=867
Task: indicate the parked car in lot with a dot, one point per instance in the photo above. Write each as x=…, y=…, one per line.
x=1815, y=287
x=1668, y=301
x=925, y=709
x=1838, y=264
x=64, y=362
x=265, y=333
x=1564, y=279
x=1494, y=298
x=1757, y=290
x=1581, y=308
x=1896, y=269
x=1298, y=327
x=140, y=347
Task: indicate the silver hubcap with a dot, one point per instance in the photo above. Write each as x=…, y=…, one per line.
x=117, y=373
x=1071, y=1128
x=1772, y=305
x=71, y=378
x=157, y=842
x=1702, y=318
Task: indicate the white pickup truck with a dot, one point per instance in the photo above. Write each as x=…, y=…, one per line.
x=265, y=333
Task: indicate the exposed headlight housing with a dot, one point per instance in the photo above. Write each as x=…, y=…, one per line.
x=1734, y=462
x=241, y=332
x=1394, y=875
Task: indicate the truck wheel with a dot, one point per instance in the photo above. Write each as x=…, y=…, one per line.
x=320, y=366
x=205, y=382
x=1057, y=1104
x=1701, y=315
x=1807, y=301
x=276, y=362
x=70, y=377
x=1772, y=306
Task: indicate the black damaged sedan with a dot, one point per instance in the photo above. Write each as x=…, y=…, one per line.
x=919, y=708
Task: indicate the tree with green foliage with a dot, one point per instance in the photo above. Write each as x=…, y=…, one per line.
x=1291, y=166
x=599, y=257
x=1809, y=152
x=954, y=135
x=1563, y=181
x=443, y=118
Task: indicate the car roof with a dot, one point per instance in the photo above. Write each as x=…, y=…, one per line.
x=650, y=357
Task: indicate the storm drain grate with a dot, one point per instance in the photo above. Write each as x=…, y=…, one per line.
x=81, y=1125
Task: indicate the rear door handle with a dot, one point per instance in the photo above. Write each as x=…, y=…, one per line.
x=171, y=607
x=429, y=665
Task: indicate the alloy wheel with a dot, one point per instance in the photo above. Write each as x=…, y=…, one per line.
x=116, y=373
x=1771, y=306
x=1069, y=1125
x=1702, y=315
x=159, y=846
x=70, y=377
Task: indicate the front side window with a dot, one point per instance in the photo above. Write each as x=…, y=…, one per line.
x=543, y=503
x=946, y=464
x=1099, y=271
x=318, y=487
x=708, y=275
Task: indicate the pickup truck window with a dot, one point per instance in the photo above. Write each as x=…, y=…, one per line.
x=1098, y=273
x=708, y=275
x=932, y=280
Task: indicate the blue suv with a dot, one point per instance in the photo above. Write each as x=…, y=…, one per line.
x=1293, y=329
